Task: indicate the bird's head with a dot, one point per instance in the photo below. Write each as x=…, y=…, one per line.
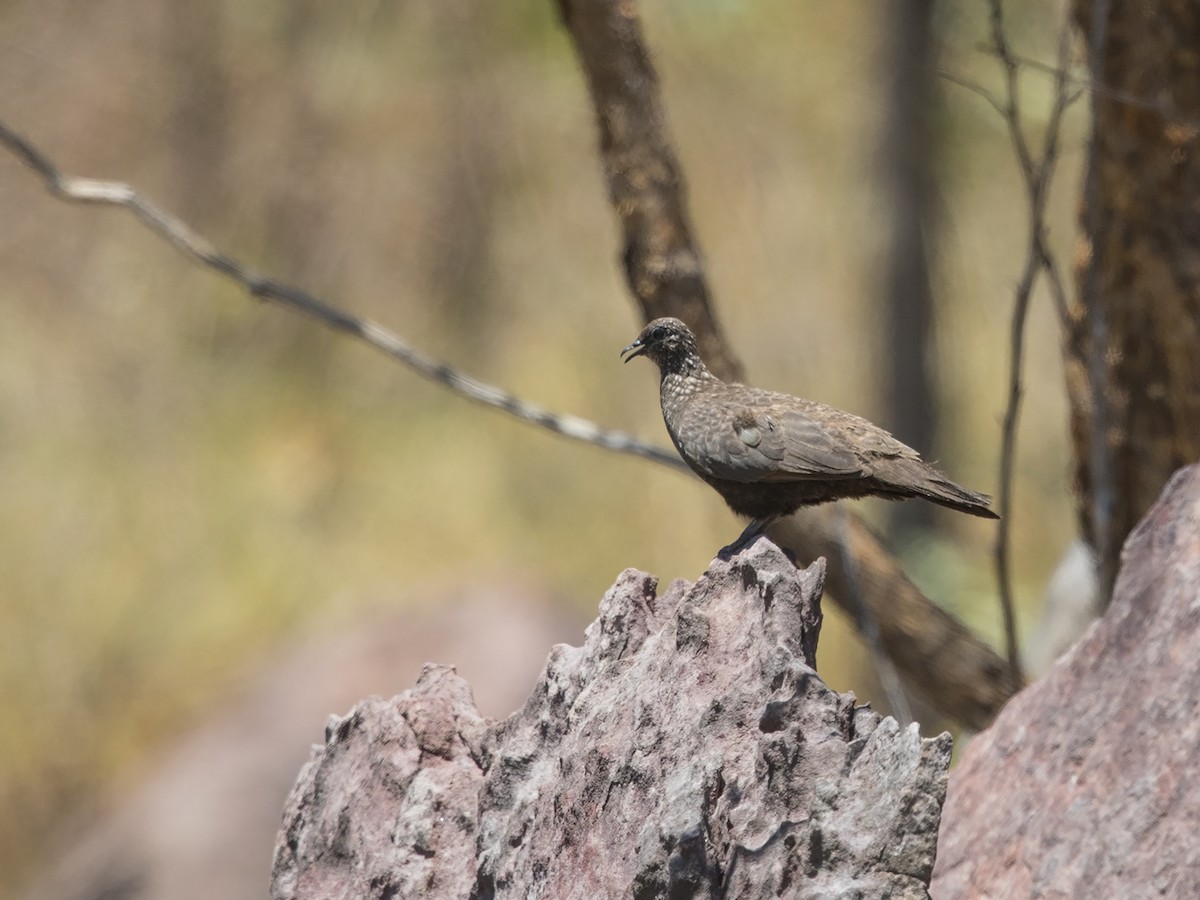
x=669, y=343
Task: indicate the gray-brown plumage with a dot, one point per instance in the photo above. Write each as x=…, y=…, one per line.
x=768, y=454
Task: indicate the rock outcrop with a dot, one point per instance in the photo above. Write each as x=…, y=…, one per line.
x=1088, y=784
x=687, y=749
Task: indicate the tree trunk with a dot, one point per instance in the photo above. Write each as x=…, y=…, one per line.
x=1135, y=398
x=904, y=159
x=198, y=130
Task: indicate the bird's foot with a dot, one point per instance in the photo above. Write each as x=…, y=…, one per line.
x=752, y=532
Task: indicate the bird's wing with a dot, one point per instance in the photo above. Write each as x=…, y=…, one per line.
x=769, y=442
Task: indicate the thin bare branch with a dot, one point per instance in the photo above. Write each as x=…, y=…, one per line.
x=1012, y=101
x=1094, y=85
x=1081, y=85
x=1036, y=171
x=976, y=88
x=196, y=248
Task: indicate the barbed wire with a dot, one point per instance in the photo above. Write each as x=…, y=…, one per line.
x=195, y=247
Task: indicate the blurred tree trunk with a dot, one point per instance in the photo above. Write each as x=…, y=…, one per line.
x=462, y=219
x=662, y=262
x=1138, y=276
x=198, y=130
x=298, y=210
x=298, y=231
x=905, y=157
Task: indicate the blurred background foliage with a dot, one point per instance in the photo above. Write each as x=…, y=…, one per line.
x=189, y=477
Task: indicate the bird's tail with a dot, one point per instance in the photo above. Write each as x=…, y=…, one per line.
x=915, y=478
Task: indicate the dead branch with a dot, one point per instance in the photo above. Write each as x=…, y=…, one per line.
x=1036, y=170
x=662, y=262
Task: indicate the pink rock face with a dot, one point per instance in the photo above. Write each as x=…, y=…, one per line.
x=1088, y=784
x=687, y=749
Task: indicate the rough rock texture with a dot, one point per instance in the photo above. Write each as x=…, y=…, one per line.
x=1088, y=784
x=688, y=749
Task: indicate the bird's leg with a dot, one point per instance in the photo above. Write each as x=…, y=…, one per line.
x=746, y=538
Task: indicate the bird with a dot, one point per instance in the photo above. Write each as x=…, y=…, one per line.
x=768, y=454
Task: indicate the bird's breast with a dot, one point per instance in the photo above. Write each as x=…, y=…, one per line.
x=677, y=395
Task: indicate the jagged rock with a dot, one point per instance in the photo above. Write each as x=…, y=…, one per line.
x=1088, y=784
x=688, y=749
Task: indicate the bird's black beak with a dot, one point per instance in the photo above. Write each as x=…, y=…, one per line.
x=636, y=349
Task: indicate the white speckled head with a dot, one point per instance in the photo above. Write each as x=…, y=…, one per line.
x=670, y=344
